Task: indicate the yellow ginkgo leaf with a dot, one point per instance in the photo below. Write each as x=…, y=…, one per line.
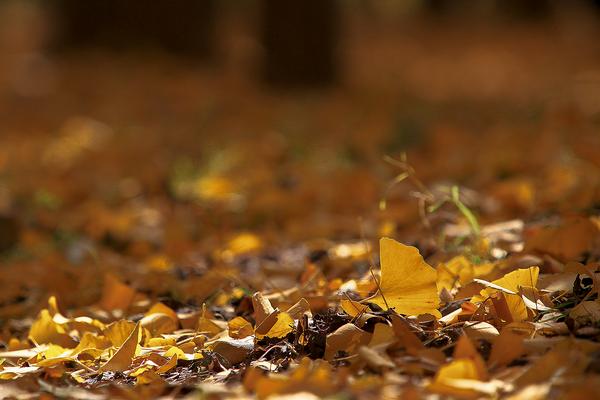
x=158, y=323
x=507, y=288
x=160, y=308
x=283, y=325
x=92, y=343
x=509, y=283
x=45, y=330
x=465, y=349
x=451, y=378
x=408, y=283
x=239, y=328
x=121, y=360
x=504, y=293
x=456, y=272
x=459, y=271
x=353, y=308
x=118, y=331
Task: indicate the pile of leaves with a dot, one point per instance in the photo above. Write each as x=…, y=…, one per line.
x=506, y=309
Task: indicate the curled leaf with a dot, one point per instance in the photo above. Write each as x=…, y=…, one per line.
x=121, y=360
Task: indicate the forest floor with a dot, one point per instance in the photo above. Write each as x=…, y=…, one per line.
x=431, y=227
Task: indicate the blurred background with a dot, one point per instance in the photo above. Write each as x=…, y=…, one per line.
x=155, y=130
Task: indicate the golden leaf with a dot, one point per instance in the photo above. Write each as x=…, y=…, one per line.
x=505, y=293
x=456, y=371
x=115, y=295
x=45, y=330
x=282, y=326
x=163, y=309
x=121, y=360
x=119, y=331
x=158, y=323
x=465, y=349
x=408, y=283
x=353, y=308
x=457, y=271
x=239, y=328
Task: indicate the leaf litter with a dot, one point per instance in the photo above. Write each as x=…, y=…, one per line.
x=468, y=328
x=265, y=272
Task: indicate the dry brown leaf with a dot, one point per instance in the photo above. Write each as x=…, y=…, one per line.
x=233, y=350
x=566, y=242
x=262, y=308
x=347, y=338
x=465, y=349
x=298, y=309
x=507, y=347
x=376, y=360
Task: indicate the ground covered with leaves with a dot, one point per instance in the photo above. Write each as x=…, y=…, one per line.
x=364, y=242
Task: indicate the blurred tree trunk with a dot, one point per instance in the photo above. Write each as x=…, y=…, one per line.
x=300, y=40
x=183, y=27
x=9, y=233
x=525, y=9
x=511, y=9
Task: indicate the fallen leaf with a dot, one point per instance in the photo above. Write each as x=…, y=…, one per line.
x=282, y=326
x=158, y=323
x=115, y=294
x=456, y=272
x=481, y=330
x=45, y=330
x=507, y=347
x=298, y=309
x=160, y=308
x=376, y=360
x=262, y=307
x=119, y=331
x=586, y=312
x=465, y=349
x=450, y=379
x=346, y=338
x=122, y=358
x=315, y=377
x=504, y=293
x=234, y=350
x=239, y=328
x=568, y=241
x=408, y=283
x=353, y=308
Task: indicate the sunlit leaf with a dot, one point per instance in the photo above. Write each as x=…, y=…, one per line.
x=45, y=330
x=121, y=360
x=408, y=283
x=449, y=379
